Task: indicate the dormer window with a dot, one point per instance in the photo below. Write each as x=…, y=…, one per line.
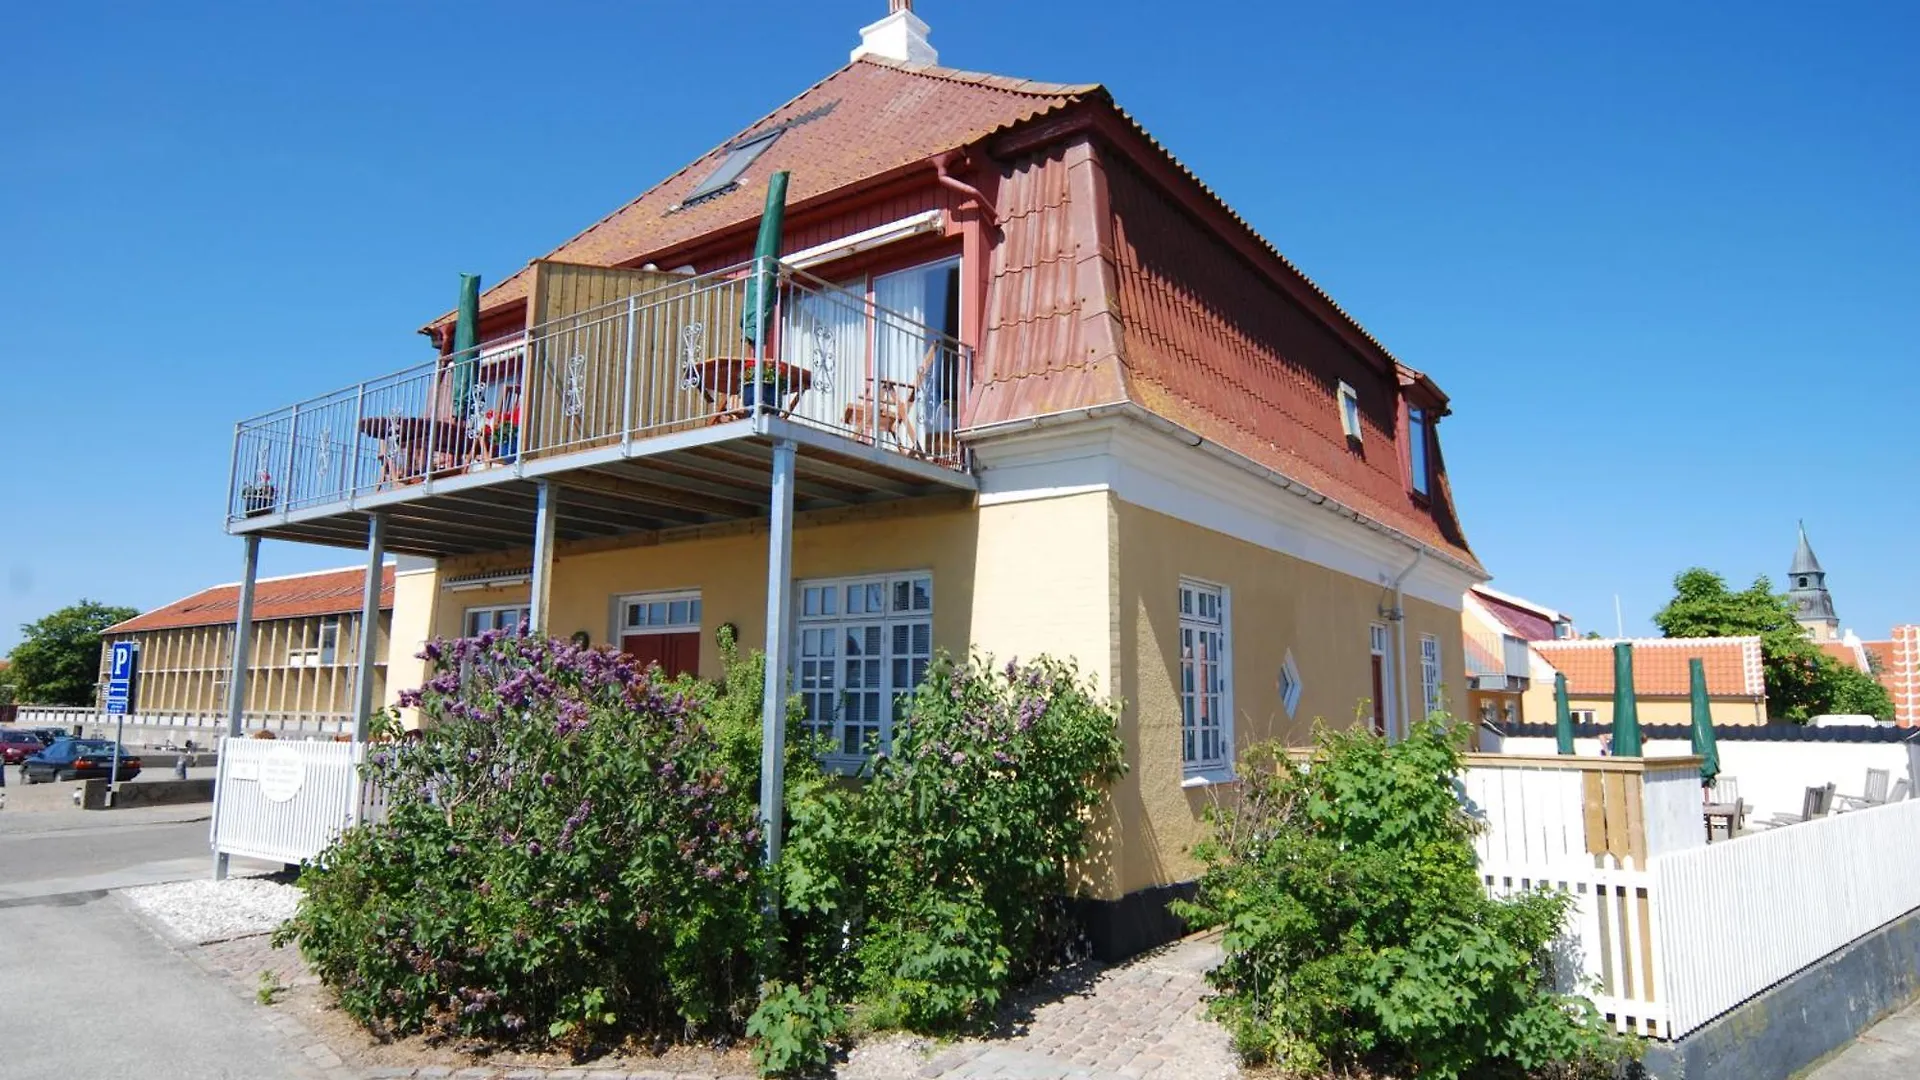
x=1350, y=413
x=740, y=156
x=1419, y=473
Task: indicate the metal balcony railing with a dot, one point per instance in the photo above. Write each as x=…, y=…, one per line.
x=682, y=353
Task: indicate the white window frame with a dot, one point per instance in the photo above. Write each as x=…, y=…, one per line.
x=819, y=670
x=1200, y=767
x=1349, y=400
x=1419, y=442
x=329, y=650
x=623, y=626
x=468, y=616
x=1379, y=643
x=1430, y=673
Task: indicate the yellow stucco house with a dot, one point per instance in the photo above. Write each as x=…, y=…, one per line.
x=1024, y=385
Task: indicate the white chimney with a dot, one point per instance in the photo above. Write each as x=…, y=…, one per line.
x=900, y=36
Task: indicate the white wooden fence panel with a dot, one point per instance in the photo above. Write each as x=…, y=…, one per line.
x=289, y=829
x=1738, y=917
x=1672, y=809
x=1533, y=816
x=1605, y=949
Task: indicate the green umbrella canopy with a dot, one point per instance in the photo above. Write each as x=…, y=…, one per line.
x=760, y=289
x=1626, y=713
x=1562, y=713
x=466, y=343
x=1704, y=745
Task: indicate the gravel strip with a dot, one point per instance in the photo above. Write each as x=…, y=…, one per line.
x=203, y=911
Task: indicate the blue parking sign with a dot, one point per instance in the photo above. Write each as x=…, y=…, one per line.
x=123, y=662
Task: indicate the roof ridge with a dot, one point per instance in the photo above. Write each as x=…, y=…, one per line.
x=1738, y=639
x=1028, y=87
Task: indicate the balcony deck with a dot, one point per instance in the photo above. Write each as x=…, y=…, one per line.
x=640, y=396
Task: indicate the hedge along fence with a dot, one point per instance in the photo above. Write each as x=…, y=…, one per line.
x=570, y=853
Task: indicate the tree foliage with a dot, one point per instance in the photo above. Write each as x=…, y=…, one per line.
x=1358, y=933
x=1802, y=682
x=58, y=659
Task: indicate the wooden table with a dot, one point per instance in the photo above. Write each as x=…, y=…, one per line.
x=721, y=379
x=416, y=439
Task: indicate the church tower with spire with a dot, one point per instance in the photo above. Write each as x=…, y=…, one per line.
x=1807, y=592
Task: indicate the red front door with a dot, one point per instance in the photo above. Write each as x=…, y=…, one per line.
x=677, y=654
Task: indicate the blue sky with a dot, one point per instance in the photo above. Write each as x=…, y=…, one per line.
x=1660, y=256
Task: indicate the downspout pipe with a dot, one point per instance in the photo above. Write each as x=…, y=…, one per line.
x=942, y=167
x=1398, y=616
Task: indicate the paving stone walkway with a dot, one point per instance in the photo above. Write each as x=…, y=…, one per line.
x=1141, y=1020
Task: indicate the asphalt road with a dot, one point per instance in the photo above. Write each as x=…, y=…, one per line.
x=86, y=989
x=89, y=991
x=52, y=853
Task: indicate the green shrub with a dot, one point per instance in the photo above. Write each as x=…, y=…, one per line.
x=571, y=852
x=931, y=887
x=1357, y=929
x=568, y=851
x=792, y=1029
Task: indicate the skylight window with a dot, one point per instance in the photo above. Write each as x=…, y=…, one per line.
x=1350, y=412
x=740, y=157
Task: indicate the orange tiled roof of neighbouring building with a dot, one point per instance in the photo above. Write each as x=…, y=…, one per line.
x=1660, y=668
x=326, y=592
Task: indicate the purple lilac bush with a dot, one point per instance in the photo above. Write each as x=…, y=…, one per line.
x=566, y=854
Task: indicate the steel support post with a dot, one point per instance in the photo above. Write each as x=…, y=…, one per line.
x=773, y=714
x=237, y=674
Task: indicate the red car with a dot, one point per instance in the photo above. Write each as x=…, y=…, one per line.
x=15, y=746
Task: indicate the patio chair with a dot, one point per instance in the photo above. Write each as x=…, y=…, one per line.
x=1815, y=804
x=1899, y=793
x=1874, y=794
x=886, y=407
x=1728, y=824
x=1726, y=789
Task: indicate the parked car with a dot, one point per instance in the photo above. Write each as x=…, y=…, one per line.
x=48, y=735
x=16, y=746
x=77, y=759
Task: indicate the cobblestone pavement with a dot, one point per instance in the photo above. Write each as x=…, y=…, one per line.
x=1141, y=1020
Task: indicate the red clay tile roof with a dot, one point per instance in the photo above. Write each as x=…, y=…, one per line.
x=1660, y=665
x=1882, y=652
x=1102, y=289
x=1842, y=652
x=867, y=119
x=327, y=592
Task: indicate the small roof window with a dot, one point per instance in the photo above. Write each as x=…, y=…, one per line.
x=740, y=156
x=1350, y=412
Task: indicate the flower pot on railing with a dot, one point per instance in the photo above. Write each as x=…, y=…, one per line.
x=506, y=446
x=759, y=393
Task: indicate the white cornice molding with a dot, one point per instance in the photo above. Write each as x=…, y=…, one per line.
x=1153, y=466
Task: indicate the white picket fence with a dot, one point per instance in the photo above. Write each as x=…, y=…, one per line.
x=283, y=800
x=1665, y=947
x=1736, y=918
x=1608, y=951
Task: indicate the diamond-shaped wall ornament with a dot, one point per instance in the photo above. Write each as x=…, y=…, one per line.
x=1290, y=685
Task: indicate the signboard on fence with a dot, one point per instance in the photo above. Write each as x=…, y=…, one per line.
x=123, y=663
